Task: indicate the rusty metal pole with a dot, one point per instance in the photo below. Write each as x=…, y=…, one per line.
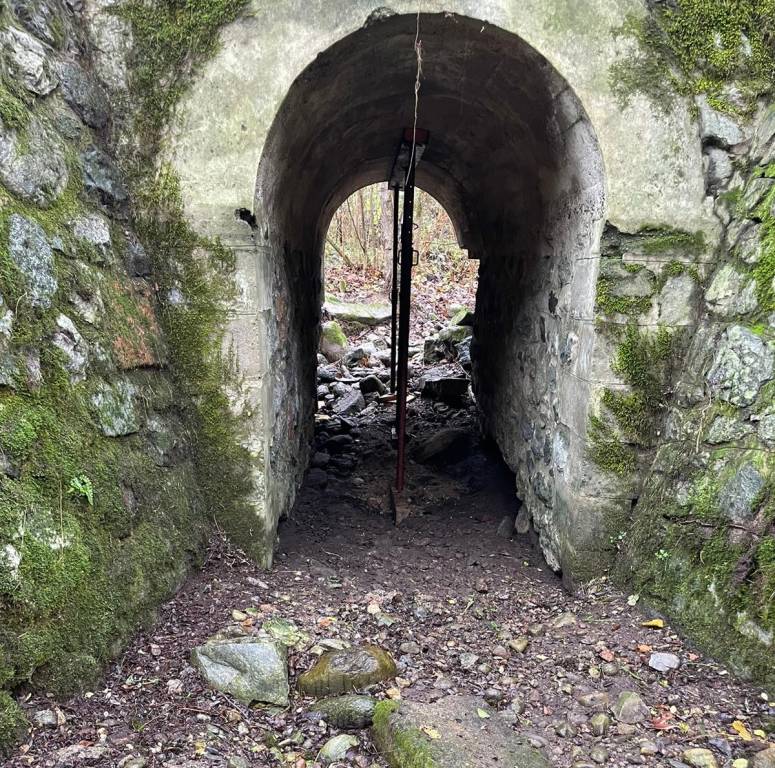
x=394, y=293
x=405, y=296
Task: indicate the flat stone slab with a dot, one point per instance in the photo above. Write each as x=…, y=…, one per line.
x=454, y=732
x=366, y=314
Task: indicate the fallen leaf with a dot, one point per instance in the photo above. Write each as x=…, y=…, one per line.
x=633, y=599
x=655, y=623
x=483, y=713
x=238, y=615
x=643, y=648
x=199, y=747
x=431, y=733
x=606, y=655
x=742, y=731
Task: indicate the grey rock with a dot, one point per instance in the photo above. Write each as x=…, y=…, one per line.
x=114, y=409
x=463, y=353
x=31, y=252
x=748, y=244
x=448, y=389
x=505, y=527
x=45, y=718
x=725, y=429
x=629, y=708
x=350, y=403
x=489, y=741
x=763, y=148
x=336, y=748
x=767, y=428
x=755, y=191
x=717, y=128
x=29, y=61
x=764, y=758
x=677, y=301
x=6, y=324
x=731, y=293
x=76, y=756
x=372, y=384
x=718, y=168
x=522, y=523
x=349, y=711
x=737, y=496
x=599, y=754
x=346, y=670
x=248, y=668
x=664, y=662
x=359, y=354
x=33, y=168
x=69, y=341
x=468, y=660
x=742, y=364
x=447, y=446
x=101, y=176
x=365, y=314
x=333, y=342
x=83, y=94
x=136, y=258
x=95, y=230
x=90, y=308
x=37, y=17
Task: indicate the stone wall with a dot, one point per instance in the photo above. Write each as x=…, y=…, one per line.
x=702, y=546
x=100, y=517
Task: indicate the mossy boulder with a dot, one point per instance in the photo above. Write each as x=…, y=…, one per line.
x=350, y=669
x=350, y=711
x=333, y=342
x=433, y=736
x=12, y=722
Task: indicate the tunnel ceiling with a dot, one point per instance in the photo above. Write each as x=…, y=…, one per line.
x=488, y=99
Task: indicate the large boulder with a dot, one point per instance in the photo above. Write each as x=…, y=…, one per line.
x=33, y=166
x=454, y=732
x=347, y=670
x=731, y=293
x=365, y=314
x=247, y=667
x=447, y=446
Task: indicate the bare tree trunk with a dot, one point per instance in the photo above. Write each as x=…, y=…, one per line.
x=386, y=234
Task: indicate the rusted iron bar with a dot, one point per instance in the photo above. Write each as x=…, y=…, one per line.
x=405, y=296
x=394, y=292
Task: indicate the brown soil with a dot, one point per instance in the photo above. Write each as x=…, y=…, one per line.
x=441, y=585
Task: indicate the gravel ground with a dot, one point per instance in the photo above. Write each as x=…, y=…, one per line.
x=454, y=603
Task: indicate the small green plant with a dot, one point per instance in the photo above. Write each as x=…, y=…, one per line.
x=81, y=487
x=662, y=555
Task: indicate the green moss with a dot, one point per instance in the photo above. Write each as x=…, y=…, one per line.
x=633, y=415
x=657, y=240
x=171, y=38
x=698, y=46
x=674, y=269
x=12, y=722
x=764, y=270
x=403, y=747
x=14, y=113
x=607, y=451
x=609, y=304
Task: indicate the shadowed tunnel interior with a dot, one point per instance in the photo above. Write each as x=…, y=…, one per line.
x=512, y=157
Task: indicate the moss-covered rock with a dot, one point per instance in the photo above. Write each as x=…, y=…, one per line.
x=333, y=342
x=414, y=735
x=350, y=669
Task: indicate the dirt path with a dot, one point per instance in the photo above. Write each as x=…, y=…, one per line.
x=445, y=595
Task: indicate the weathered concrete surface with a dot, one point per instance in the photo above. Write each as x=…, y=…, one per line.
x=304, y=95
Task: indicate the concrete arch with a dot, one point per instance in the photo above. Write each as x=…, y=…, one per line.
x=319, y=119
x=512, y=149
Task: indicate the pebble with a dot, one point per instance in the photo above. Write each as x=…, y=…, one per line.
x=564, y=729
x=600, y=723
x=599, y=754
x=566, y=619
x=468, y=660
x=598, y=699
x=45, y=718
x=629, y=708
x=664, y=662
x=519, y=645
x=648, y=748
x=700, y=758
x=536, y=629
x=411, y=648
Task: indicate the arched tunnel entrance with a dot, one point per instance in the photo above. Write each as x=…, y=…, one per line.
x=515, y=161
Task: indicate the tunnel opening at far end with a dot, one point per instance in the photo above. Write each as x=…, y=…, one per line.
x=514, y=159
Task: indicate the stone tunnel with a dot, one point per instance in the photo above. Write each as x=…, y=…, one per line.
x=168, y=173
